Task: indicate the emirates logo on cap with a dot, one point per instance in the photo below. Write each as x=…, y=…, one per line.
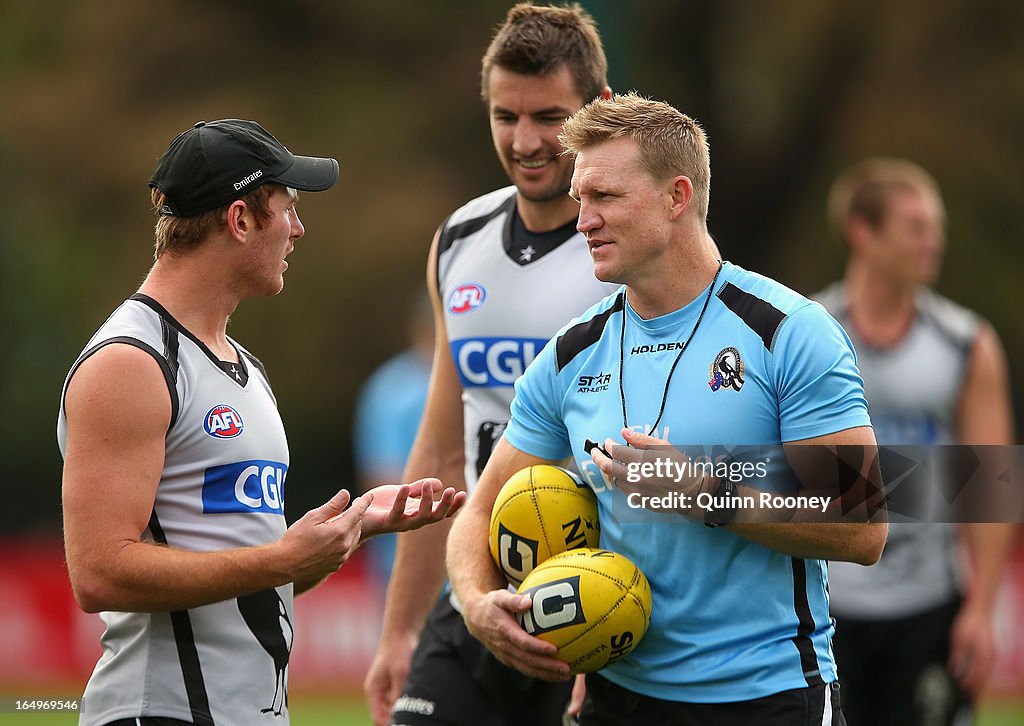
x=217, y=162
x=244, y=181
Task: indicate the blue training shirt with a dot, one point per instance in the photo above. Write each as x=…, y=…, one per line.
x=731, y=619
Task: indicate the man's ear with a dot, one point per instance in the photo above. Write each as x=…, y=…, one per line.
x=606, y=93
x=857, y=232
x=681, y=193
x=239, y=220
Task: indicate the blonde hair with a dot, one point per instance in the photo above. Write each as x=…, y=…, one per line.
x=537, y=40
x=670, y=142
x=178, y=235
x=864, y=189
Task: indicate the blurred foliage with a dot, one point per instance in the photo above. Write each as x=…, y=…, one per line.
x=790, y=92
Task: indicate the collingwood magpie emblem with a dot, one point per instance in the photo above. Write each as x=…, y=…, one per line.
x=727, y=370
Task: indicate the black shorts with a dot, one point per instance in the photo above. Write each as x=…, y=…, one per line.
x=894, y=671
x=608, y=704
x=453, y=679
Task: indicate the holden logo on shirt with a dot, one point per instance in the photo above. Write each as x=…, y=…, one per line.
x=466, y=298
x=223, y=422
x=727, y=370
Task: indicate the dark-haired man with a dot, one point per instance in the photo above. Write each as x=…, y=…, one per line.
x=505, y=271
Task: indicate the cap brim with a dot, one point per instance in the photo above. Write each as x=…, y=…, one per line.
x=309, y=174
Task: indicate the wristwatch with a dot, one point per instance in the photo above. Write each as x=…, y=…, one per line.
x=726, y=493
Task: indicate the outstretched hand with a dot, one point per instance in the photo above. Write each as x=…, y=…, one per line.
x=324, y=538
x=401, y=507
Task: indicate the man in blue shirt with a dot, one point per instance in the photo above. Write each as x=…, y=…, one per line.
x=388, y=413
x=690, y=352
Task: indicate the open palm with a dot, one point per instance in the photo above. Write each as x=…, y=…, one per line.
x=401, y=507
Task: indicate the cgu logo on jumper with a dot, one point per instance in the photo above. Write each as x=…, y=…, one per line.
x=493, y=362
x=466, y=298
x=223, y=422
x=245, y=486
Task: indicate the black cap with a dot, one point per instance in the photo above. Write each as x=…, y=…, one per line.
x=214, y=163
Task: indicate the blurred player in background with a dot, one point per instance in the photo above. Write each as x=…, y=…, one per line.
x=388, y=415
x=505, y=271
x=913, y=643
x=175, y=456
x=740, y=629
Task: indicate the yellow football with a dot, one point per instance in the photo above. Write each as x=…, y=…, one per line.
x=542, y=510
x=595, y=605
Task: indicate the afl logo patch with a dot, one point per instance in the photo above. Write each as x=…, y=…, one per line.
x=466, y=298
x=727, y=370
x=223, y=422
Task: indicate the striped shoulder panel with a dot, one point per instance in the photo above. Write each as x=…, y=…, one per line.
x=256, y=362
x=958, y=325
x=167, y=360
x=452, y=233
x=170, y=339
x=759, y=315
x=169, y=324
x=583, y=335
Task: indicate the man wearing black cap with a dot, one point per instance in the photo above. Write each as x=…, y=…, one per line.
x=176, y=457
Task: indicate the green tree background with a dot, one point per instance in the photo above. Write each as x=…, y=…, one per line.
x=790, y=92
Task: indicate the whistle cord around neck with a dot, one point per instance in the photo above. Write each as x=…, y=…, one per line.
x=675, y=363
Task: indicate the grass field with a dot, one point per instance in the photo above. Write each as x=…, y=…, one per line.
x=323, y=712
x=350, y=711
